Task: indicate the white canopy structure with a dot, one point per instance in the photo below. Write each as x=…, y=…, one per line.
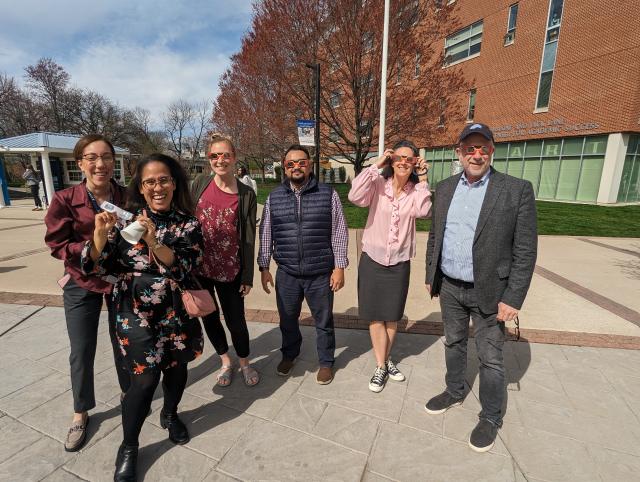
x=47, y=145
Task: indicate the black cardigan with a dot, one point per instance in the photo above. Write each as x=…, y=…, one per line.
x=247, y=206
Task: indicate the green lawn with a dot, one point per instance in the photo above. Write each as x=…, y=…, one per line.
x=553, y=217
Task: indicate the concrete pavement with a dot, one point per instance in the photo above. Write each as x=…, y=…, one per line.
x=584, y=290
x=573, y=414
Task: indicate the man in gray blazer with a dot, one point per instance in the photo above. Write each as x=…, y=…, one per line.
x=480, y=259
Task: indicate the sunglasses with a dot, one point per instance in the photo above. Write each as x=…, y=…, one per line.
x=152, y=183
x=408, y=159
x=296, y=162
x=219, y=155
x=471, y=150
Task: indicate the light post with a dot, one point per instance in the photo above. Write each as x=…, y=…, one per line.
x=383, y=78
x=316, y=81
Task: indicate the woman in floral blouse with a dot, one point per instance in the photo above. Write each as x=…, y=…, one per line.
x=154, y=332
x=226, y=208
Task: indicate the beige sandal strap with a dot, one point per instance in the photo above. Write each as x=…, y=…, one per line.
x=249, y=372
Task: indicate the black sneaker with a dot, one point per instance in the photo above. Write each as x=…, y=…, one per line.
x=393, y=372
x=441, y=403
x=379, y=378
x=483, y=436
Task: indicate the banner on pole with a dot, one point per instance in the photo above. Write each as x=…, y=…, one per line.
x=306, y=132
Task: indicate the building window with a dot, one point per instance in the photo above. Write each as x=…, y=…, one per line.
x=364, y=130
x=552, y=35
x=511, y=25
x=438, y=4
x=365, y=81
x=399, y=71
x=73, y=171
x=566, y=169
x=443, y=108
x=416, y=70
x=629, y=190
x=443, y=161
x=334, y=64
x=367, y=41
x=333, y=135
x=409, y=14
x=463, y=44
x=334, y=100
x=471, y=111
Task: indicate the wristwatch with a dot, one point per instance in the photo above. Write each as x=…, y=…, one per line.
x=262, y=268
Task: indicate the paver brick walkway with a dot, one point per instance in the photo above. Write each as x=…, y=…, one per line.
x=573, y=414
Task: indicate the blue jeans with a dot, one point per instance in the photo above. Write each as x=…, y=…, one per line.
x=458, y=304
x=290, y=291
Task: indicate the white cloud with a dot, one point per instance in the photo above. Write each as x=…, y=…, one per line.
x=144, y=53
x=149, y=77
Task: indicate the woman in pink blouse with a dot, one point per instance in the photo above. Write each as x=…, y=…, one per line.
x=396, y=191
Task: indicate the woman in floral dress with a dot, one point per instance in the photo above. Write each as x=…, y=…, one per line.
x=154, y=332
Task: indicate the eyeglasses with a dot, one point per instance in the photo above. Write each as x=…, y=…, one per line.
x=214, y=156
x=162, y=181
x=471, y=150
x=296, y=162
x=408, y=159
x=93, y=158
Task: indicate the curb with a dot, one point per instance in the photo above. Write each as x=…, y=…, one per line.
x=420, y=327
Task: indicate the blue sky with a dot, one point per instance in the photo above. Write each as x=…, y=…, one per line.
x=136, y=52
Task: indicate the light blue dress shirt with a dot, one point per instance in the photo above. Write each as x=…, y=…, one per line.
x=460, y=228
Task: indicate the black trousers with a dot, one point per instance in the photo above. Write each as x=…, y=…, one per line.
x=35, y=192
x=137, y=400
x=82, y=311
x=232, y=304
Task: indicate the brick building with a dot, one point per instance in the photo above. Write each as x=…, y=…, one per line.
x=559, y=83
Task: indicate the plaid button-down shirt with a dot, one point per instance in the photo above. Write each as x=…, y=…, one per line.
x=339, y=233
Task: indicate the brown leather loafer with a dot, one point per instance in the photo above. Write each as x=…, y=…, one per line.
x=76, y=435
x=324, y=376
x=284, y=367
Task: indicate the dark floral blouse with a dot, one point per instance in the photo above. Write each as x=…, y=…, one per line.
x=152, y=327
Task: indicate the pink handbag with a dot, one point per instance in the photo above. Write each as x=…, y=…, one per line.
x=198, y=302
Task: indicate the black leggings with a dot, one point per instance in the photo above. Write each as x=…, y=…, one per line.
x=233, y=309
x=138, y=397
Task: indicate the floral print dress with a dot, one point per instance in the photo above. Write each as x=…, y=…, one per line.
x=152, y=327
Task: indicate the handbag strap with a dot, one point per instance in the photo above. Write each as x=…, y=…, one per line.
x=152, y=259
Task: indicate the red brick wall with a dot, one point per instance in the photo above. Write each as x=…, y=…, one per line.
x=596, y=78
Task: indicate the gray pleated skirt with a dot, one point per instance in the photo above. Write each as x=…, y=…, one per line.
x=382, y=290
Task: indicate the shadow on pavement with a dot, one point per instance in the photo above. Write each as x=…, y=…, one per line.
x=237, y=398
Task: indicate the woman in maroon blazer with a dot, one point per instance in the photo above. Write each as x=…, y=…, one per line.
x=70, y=222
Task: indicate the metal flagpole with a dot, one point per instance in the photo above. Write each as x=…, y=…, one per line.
x=383, y=78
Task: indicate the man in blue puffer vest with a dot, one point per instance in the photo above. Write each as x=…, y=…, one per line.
x=304, y=229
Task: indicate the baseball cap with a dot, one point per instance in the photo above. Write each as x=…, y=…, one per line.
x=476, y=128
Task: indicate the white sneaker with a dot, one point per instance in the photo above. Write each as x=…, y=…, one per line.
x=379, y=378
x=393, y=372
